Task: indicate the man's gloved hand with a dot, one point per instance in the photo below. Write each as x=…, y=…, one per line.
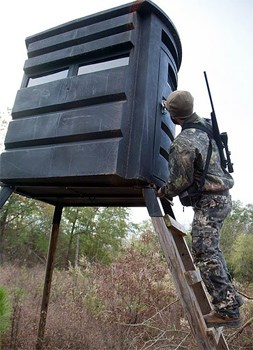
x=161, y=193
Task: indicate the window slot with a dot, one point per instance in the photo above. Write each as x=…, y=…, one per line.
x=96, y=67
x=167, y=131
x=170, y=46
x=164, y=154
x=47, y=78
x=172, y=81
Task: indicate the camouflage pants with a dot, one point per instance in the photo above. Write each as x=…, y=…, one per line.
x=209, y=214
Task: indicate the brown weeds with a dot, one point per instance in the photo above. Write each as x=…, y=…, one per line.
x=129, y=305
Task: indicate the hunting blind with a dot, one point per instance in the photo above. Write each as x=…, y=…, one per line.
x=87, y=123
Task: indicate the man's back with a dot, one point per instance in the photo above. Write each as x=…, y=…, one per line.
x=191, y=147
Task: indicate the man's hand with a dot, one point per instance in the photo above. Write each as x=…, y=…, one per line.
x=161, y=193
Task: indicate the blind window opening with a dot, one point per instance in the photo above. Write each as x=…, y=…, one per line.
x=96, y=67
x=43, y=79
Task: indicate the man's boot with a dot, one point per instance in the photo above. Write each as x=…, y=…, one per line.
x=213, y=319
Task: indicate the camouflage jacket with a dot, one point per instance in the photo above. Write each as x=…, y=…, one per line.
x=187, y=159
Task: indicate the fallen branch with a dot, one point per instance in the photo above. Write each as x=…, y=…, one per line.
x=162, y=332
x=182, y=341
x=153, y=341
x=144, y=323
x=239, y=331
x=245, y=295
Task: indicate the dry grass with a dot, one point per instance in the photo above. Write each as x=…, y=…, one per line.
x=130, y=305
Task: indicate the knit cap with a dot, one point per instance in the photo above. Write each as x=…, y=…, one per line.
x=179, y=104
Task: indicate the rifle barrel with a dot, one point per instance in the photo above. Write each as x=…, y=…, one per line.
x=209, y=92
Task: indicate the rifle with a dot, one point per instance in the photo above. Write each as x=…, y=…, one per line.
x=220, y=139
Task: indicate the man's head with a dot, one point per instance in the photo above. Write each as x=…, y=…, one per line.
x=179, y=104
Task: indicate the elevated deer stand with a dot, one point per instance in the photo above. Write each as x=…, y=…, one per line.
x=88, y=129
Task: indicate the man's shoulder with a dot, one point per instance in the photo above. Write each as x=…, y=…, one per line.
x=196, y=126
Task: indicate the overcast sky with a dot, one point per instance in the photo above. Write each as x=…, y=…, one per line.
x=216, y=36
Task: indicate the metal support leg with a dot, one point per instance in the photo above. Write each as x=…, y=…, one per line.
x=48, y=276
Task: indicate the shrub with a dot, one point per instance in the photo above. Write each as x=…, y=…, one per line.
x=5, y=312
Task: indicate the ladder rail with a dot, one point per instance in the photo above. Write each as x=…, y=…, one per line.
x=187, y=279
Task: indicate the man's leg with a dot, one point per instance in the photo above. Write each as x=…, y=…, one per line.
x=210, y=213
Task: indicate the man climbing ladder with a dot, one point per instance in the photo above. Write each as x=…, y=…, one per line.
x=187, y=279
x=201, y=182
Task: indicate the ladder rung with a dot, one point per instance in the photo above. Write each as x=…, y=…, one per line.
x=172, y=224
x=193, y=277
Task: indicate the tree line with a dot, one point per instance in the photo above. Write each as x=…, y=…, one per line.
x=99, y=234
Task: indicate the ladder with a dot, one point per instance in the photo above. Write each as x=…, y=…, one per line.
x=187, y=278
